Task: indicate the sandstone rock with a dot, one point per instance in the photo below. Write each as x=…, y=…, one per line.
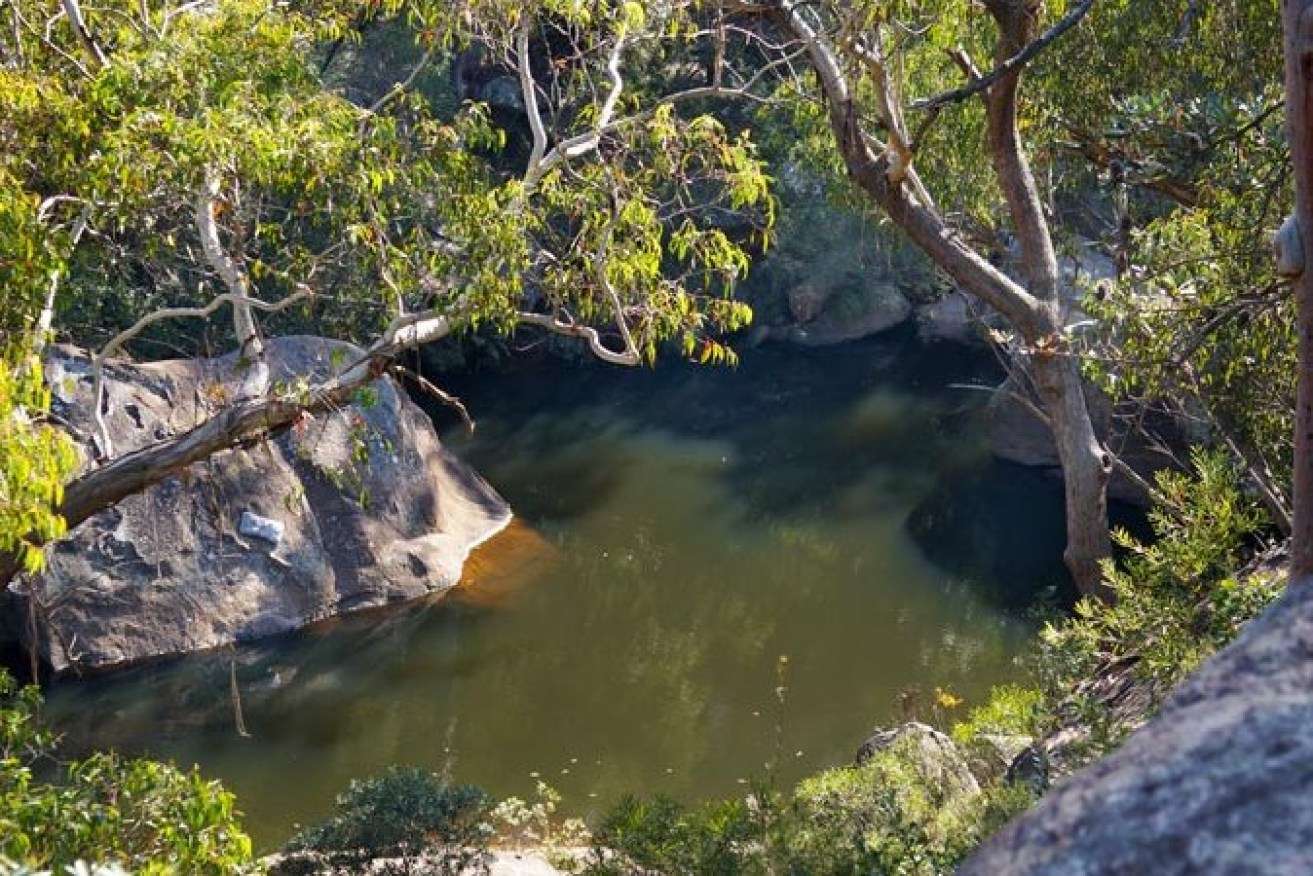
x=805, y=302
x=1221, y=781
x=834, y=277
x=994, y=756
x=1017, y=435
x=936, y=757
x=857, y=313
x=371, y=508
x=956, y=317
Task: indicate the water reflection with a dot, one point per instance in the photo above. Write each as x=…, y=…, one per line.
x=680, y=531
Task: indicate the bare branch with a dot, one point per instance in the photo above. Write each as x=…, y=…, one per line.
x=1012, y=64
x=529, y=90
x=579, y=144
x=432, y=389
x=45, y=39
x=46, y=319
x=181, y=10
x=250, y=347
x=116, y=343
x=588, y=333
x=402, y=87
x=83, y=33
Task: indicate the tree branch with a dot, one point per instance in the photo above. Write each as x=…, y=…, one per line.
x=588, y=333
x=116, y=343
x=1012, y=64
x=869, y=171
x=579, y=144
x=83, y=33
x=1016, y=21
x=529, y=91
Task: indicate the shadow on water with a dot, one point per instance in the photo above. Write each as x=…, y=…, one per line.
x=680, y=530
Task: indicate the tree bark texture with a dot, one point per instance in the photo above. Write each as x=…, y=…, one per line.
x=1086, y=465
x=1297, y=23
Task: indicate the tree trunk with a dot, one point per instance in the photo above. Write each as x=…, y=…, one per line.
x=1085, y=469
x=1297, y=21
x=1033, y=309
x=1085, y=463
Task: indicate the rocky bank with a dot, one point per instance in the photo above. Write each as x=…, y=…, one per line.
x=1220, y=782
x=351, y=510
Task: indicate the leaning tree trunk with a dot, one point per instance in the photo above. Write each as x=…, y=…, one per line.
x=1297, y=20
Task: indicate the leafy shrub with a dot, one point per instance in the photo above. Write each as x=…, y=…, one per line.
x=149, y=817
x=904, y=811
x=535, y=824
x=1011, y=710
x=408, y=820
x=659, y=835
x=911, y=808
x=1177, y=599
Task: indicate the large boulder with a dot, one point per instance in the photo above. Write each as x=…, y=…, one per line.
x=1221, y=781
x=349, y=510
x=834, y=277
x=1018, y=435
x=856, y=310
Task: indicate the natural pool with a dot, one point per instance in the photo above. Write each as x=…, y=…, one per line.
x=680, y=532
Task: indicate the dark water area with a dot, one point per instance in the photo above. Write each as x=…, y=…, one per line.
x=712, y=580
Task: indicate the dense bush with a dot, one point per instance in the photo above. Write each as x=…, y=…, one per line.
x=149, y=817
x=660, y=835
x=902, y=811
x=1178, y=600
x=409, y=821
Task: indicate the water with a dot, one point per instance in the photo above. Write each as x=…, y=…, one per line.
x=710, y=582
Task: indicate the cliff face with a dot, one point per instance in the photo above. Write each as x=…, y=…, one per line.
x=1220, y=782
x=350, y=510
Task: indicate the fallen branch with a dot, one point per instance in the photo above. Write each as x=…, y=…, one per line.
x=246, y=421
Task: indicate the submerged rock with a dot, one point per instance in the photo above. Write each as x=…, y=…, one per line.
x=1221, y=781
x=349, y=510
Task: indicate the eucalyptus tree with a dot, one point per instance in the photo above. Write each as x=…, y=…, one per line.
x=1174, y=156
x=1188, y=143
x=178, y=158
x=896, y=88
x=207, y=165
x=866, y=61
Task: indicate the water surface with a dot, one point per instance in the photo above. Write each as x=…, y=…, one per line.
x=710, y=581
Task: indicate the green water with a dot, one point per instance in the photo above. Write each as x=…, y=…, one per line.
x=721, y=588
